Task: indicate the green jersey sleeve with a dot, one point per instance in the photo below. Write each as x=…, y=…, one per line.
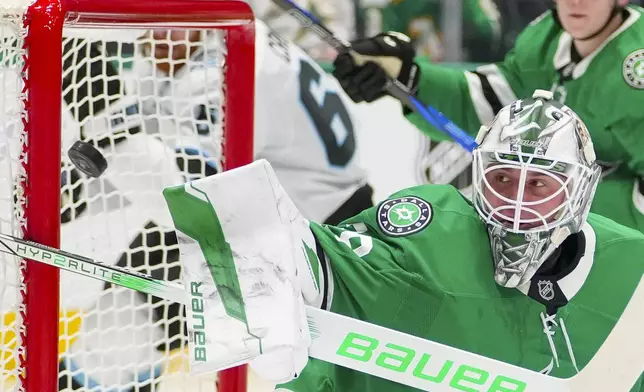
x=628, y=131
x=472, y=98
x=371, y=271
x=623, y=118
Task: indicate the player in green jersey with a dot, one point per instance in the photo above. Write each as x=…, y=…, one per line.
x=523, y=273
x=589, y=53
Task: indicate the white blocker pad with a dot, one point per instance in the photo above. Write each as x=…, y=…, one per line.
x=239, y=235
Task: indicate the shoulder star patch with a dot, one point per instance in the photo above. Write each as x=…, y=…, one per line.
x=633, y=69
x=404, y=216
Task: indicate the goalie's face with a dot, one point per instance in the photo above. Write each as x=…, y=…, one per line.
x=523, y=199
x=529, y=205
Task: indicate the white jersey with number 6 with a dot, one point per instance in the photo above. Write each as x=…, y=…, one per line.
x=304, y=124
x=305, y=127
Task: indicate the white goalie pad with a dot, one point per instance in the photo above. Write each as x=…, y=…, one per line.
x=240, y=235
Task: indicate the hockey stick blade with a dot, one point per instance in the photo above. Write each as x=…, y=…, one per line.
x=615, y=367
x=393, y=87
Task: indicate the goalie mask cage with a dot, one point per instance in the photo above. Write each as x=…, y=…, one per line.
x=94, y=70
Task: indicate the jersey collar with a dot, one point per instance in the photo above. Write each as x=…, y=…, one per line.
x=562, y=56
x=557, y=290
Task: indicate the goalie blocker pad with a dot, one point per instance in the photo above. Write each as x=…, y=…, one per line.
x=241, y=240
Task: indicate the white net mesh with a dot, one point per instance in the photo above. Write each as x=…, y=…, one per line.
x=152, y=103
x=157, y=121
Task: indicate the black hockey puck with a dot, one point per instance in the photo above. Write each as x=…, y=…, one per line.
x=87, y=158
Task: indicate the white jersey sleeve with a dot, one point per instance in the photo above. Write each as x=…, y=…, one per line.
x=305, y=126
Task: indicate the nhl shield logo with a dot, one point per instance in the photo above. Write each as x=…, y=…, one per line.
x=404, y=216
x=546, y=289
x=633, y=69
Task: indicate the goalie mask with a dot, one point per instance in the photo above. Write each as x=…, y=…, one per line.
x=534, y=177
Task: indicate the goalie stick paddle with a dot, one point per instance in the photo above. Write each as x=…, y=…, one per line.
x=435, y=367
x=393, y=87
x=394, y=355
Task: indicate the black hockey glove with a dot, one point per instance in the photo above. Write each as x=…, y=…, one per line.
x=363, y=72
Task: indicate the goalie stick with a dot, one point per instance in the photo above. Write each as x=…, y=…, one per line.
x=393, y=87
x=397, y=356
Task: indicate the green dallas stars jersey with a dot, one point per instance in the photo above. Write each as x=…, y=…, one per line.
x=606, y=89
x=420, y=263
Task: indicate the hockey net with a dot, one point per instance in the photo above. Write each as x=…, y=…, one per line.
x=164, y=90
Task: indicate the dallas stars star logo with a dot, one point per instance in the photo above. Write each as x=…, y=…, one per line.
x=404, y=216
x=633, y=69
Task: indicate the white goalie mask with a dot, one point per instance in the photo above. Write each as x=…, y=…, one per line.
x=534, y=178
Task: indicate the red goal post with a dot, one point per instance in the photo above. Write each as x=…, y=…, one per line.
x=36, y=212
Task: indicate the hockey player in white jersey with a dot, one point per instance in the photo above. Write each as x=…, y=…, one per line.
x=314, y=151
x=305, y=127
